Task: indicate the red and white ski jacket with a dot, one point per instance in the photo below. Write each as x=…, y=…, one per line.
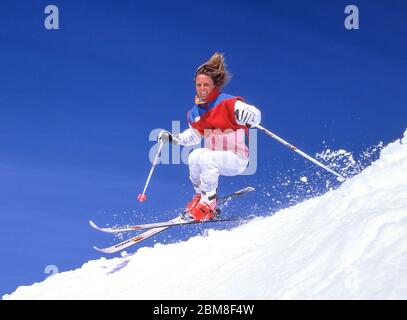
x=215, y=121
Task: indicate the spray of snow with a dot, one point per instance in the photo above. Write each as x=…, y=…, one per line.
x=296, y=185
x=344, y=162
x=348, y=243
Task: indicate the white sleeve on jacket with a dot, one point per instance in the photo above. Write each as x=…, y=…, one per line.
x=189, y=137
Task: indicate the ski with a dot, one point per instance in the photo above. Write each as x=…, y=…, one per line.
x=126, y=228
x=156, y=225
x=153, y=231
x=173, y=222
x=134, y=240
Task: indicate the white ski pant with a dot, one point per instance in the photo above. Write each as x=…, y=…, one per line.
x=206, y=165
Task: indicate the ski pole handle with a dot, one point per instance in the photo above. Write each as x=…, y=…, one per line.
x=274, y=136
x=142, y=196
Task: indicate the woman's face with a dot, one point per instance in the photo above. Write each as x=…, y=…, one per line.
x=204, y=86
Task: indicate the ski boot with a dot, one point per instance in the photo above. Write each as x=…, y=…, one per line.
x=205, y=209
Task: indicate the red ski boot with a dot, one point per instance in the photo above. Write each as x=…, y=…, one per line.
x=195, y=200
x=205, y=209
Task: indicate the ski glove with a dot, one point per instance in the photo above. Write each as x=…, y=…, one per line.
x=165, y=136
x=246, y=114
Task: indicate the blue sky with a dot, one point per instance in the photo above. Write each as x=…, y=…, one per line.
x=77, y=106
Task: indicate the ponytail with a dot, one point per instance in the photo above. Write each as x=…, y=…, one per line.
x=215, y=68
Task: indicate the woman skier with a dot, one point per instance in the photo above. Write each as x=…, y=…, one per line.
x=223, y=121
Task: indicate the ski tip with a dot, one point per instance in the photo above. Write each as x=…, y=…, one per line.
x=100, y=250
x=92, y=224
x=245, y=190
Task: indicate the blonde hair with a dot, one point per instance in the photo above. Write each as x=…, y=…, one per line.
x=215, y=68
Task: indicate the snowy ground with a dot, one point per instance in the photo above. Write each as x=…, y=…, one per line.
x=350, y=243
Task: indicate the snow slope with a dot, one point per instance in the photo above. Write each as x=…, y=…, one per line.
x=350, y=243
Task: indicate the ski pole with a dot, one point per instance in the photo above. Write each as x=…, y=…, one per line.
x=274, y=136
x=142, y=196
